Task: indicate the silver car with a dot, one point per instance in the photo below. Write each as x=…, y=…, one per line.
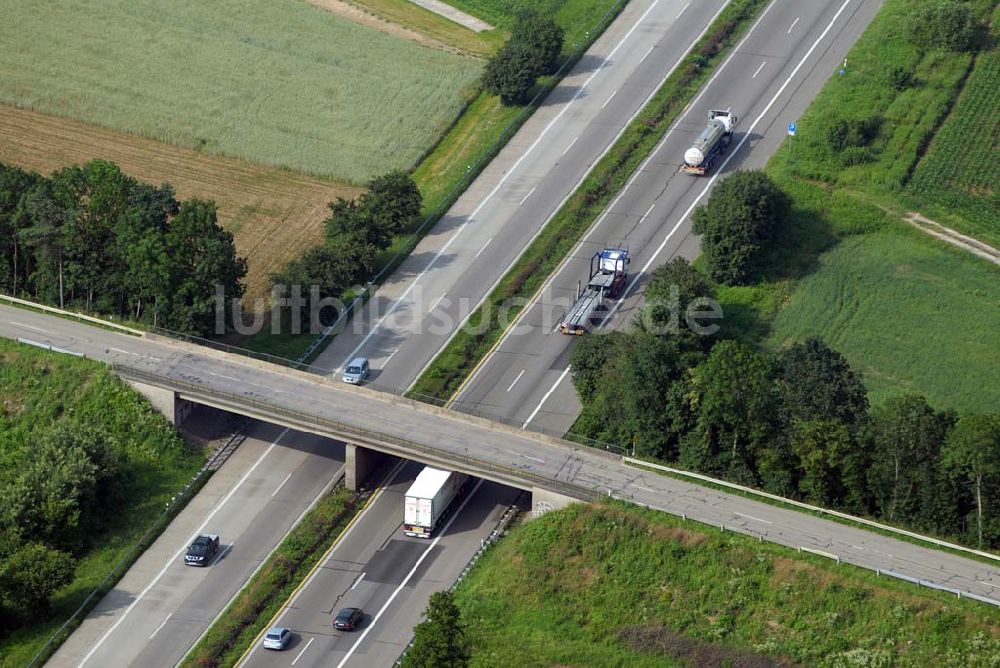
x=277, y=638
x=357, y=371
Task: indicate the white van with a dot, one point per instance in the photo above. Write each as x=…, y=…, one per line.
x=357, y=371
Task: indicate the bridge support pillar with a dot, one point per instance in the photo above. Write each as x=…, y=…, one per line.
x=358, y=463
x=542, y=501
x=166, y=401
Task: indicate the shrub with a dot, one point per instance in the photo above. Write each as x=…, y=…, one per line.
x=844, y=133
x=900, y=78
x=944, y=24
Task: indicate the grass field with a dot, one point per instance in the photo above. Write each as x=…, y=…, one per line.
x=912, y=313
x=930, y=327
x=576, y=17
x=278, y=82
x=615, y=585
x=37, y=389
x=424, y=22
x=958, y=181
x=274, y=214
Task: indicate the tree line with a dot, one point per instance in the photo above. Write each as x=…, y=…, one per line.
x=795, y=422
x=90, y=237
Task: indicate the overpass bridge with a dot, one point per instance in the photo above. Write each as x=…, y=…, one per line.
x=175, y=374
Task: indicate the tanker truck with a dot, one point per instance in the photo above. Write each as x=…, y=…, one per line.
x=710, y=144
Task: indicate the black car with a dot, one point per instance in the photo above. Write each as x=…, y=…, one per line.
x=202, y=550
x=347, y=619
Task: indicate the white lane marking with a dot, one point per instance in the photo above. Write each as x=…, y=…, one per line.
x=480, y=251
x=645, y=55
x=151, y=635
x=391, y=355
x=566, y=150
x=573, y=190
x=609, y=99
x=437, y=256
x=181, y=551
x=525, y=198
x=735, y=151
x=409, y=575
x=648, y=211
x=534, y=459
x=511, y=386
x=278, y=488
x=759, y=69
x=645, y=489
x=681, y=13
x=858, y=547
x=793, y=25
x=755, y=519
x=357, y=582
x=545, y=398
x=988, y=584
x=37, y=329
x=126, y=352
x=220, y=375
x=303, y=650
x=226, y=550
x=438, y=300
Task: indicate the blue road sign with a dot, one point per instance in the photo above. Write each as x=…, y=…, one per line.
x=791, y=129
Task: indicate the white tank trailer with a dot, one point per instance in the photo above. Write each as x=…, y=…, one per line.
x=710, y=144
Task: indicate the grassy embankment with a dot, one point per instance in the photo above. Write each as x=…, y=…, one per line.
x=266, y=592
x=39, y=389
x=476, y=138
x=616, y=585
x=460, y=356
x=848, y=268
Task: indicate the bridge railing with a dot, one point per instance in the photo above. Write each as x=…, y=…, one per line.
x=353, y=433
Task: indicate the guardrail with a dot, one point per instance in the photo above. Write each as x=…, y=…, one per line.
x=366, y=437
x=71, y=314
x=816, y=509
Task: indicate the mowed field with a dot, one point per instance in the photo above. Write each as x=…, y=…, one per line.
x=277, y=82
x=274, y=214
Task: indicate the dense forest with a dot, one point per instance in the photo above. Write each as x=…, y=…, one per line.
x=92, y=238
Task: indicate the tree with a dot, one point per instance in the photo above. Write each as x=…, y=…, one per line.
x=203, y=264
x=944, y=24
x=511, y=74
x=41, y=222
x=973, y=452
x=394, y=199
x=733, y=397
x=817, y=383
x=439, y=641
x=30, y=576
x=904, y=475
x=829, y=459
x=742, y=213
x=672, y=289
x=14, y=184
x=542, y=36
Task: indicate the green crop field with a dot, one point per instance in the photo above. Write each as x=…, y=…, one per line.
x=277, y=82
x=930, y=326
x=615, y=585
x=39, y=390
x=961, y=172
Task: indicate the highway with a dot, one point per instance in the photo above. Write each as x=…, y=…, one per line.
x=161, y=607
x=417, y=309
x=768, y=81
x=377, y=568
x=464, y=440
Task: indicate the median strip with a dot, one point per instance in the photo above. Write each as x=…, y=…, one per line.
x=484, y=328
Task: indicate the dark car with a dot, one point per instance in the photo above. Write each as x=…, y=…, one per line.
x=202, y=550
x=347, y=619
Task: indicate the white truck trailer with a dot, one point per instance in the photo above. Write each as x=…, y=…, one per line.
x=710, y=144
x=428, y=498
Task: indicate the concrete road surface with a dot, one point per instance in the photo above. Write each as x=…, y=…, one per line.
x=459, y=437
x=158, y=610
x=418, y=308
x=377, y=568
x=768, y=81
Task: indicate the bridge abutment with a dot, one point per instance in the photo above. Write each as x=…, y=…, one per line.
x=166, y=401
x=542, y=501
x=358, y=463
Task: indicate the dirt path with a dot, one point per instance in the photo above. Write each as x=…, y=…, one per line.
x=360, y=16
x=953, y=237
x=274, y=214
